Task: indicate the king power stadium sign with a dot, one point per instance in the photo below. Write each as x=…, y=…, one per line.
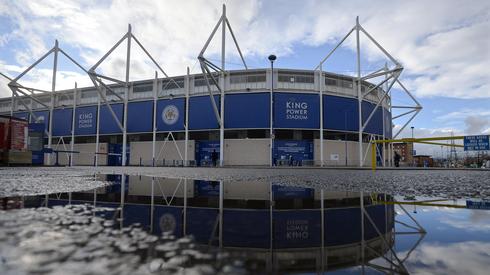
x=476, y=143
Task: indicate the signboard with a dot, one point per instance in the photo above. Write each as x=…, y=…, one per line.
x=375, y=125
x=18, y=135
x=334, y=157
x=170, y=114
x=297, y=228
x=298, y=150
x=24, y=115
x=206, y=189
x=476, y=143
x=251, y=110
x=204, y=150
x=167, y=219
x=86, y=120
x=478, y=204
x=300, y=111
x=291, y=192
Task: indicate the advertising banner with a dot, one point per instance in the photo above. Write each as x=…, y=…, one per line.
x=170, y=114
x=201, y=112
x=247, y=110
x=206, y=189
x=86, y=120
x=62, y=120
x=296, y=111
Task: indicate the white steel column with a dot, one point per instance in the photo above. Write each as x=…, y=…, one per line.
x=359, y=94
x=126, y=95
x=362, y=230
x=185, y=208
x=221, y=198
x=187, y=88
x=222, y=98
x=155, y=96
x=152, y=209
x=72, y=142
x=322, y=220
x=97, y=131
x=51, y=106
x=321, y=115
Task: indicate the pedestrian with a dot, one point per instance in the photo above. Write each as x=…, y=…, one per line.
x=214, y=157
x=397, y=159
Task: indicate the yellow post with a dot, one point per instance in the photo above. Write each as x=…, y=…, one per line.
x=373, y=156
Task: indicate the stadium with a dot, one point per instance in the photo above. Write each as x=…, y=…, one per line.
x=269, y=117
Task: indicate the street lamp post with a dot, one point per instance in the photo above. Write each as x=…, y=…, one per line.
x=272, y=58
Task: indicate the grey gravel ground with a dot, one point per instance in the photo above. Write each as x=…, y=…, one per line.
x=27, y=181
x=71, y=240
x=432, y=183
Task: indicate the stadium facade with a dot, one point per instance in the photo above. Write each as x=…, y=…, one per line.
x=264, y=116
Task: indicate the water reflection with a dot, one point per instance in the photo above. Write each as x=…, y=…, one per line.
x=288, y=229
x=278, y=228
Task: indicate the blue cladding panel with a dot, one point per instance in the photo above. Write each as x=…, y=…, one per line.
x=375, y=125
x=86, y=120
x=167, y=219
x=200, y=223
x=201, y=113
x=297, y=228
x=41, y=117
x=140, y=116
x=171, y=114
x=296, y=111
x=62, y=120
x=247, y=110
x=23, y=115
x=340, y=113
x=107, y=123
x=343, y=226
x=137, y=213
x=246, y=228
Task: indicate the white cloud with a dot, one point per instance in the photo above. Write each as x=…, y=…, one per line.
x=443, y=45
x=457, y=258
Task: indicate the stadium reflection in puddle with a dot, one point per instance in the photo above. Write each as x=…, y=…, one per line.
x=278, y=228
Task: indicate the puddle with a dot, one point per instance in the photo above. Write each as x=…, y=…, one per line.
x=153, y=225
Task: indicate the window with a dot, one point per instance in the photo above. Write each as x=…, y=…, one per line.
x=297, y=77
x=253, y=78
x=141, y=88
x=173, y=84
x=201, y=81
x=346, y=84
x=89, y=93
x=330, y=81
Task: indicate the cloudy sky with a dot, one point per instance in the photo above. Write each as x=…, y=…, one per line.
x=444, y=46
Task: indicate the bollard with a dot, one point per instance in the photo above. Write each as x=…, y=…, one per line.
x=153, y=162
x=94, y=160
x=140, y=161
